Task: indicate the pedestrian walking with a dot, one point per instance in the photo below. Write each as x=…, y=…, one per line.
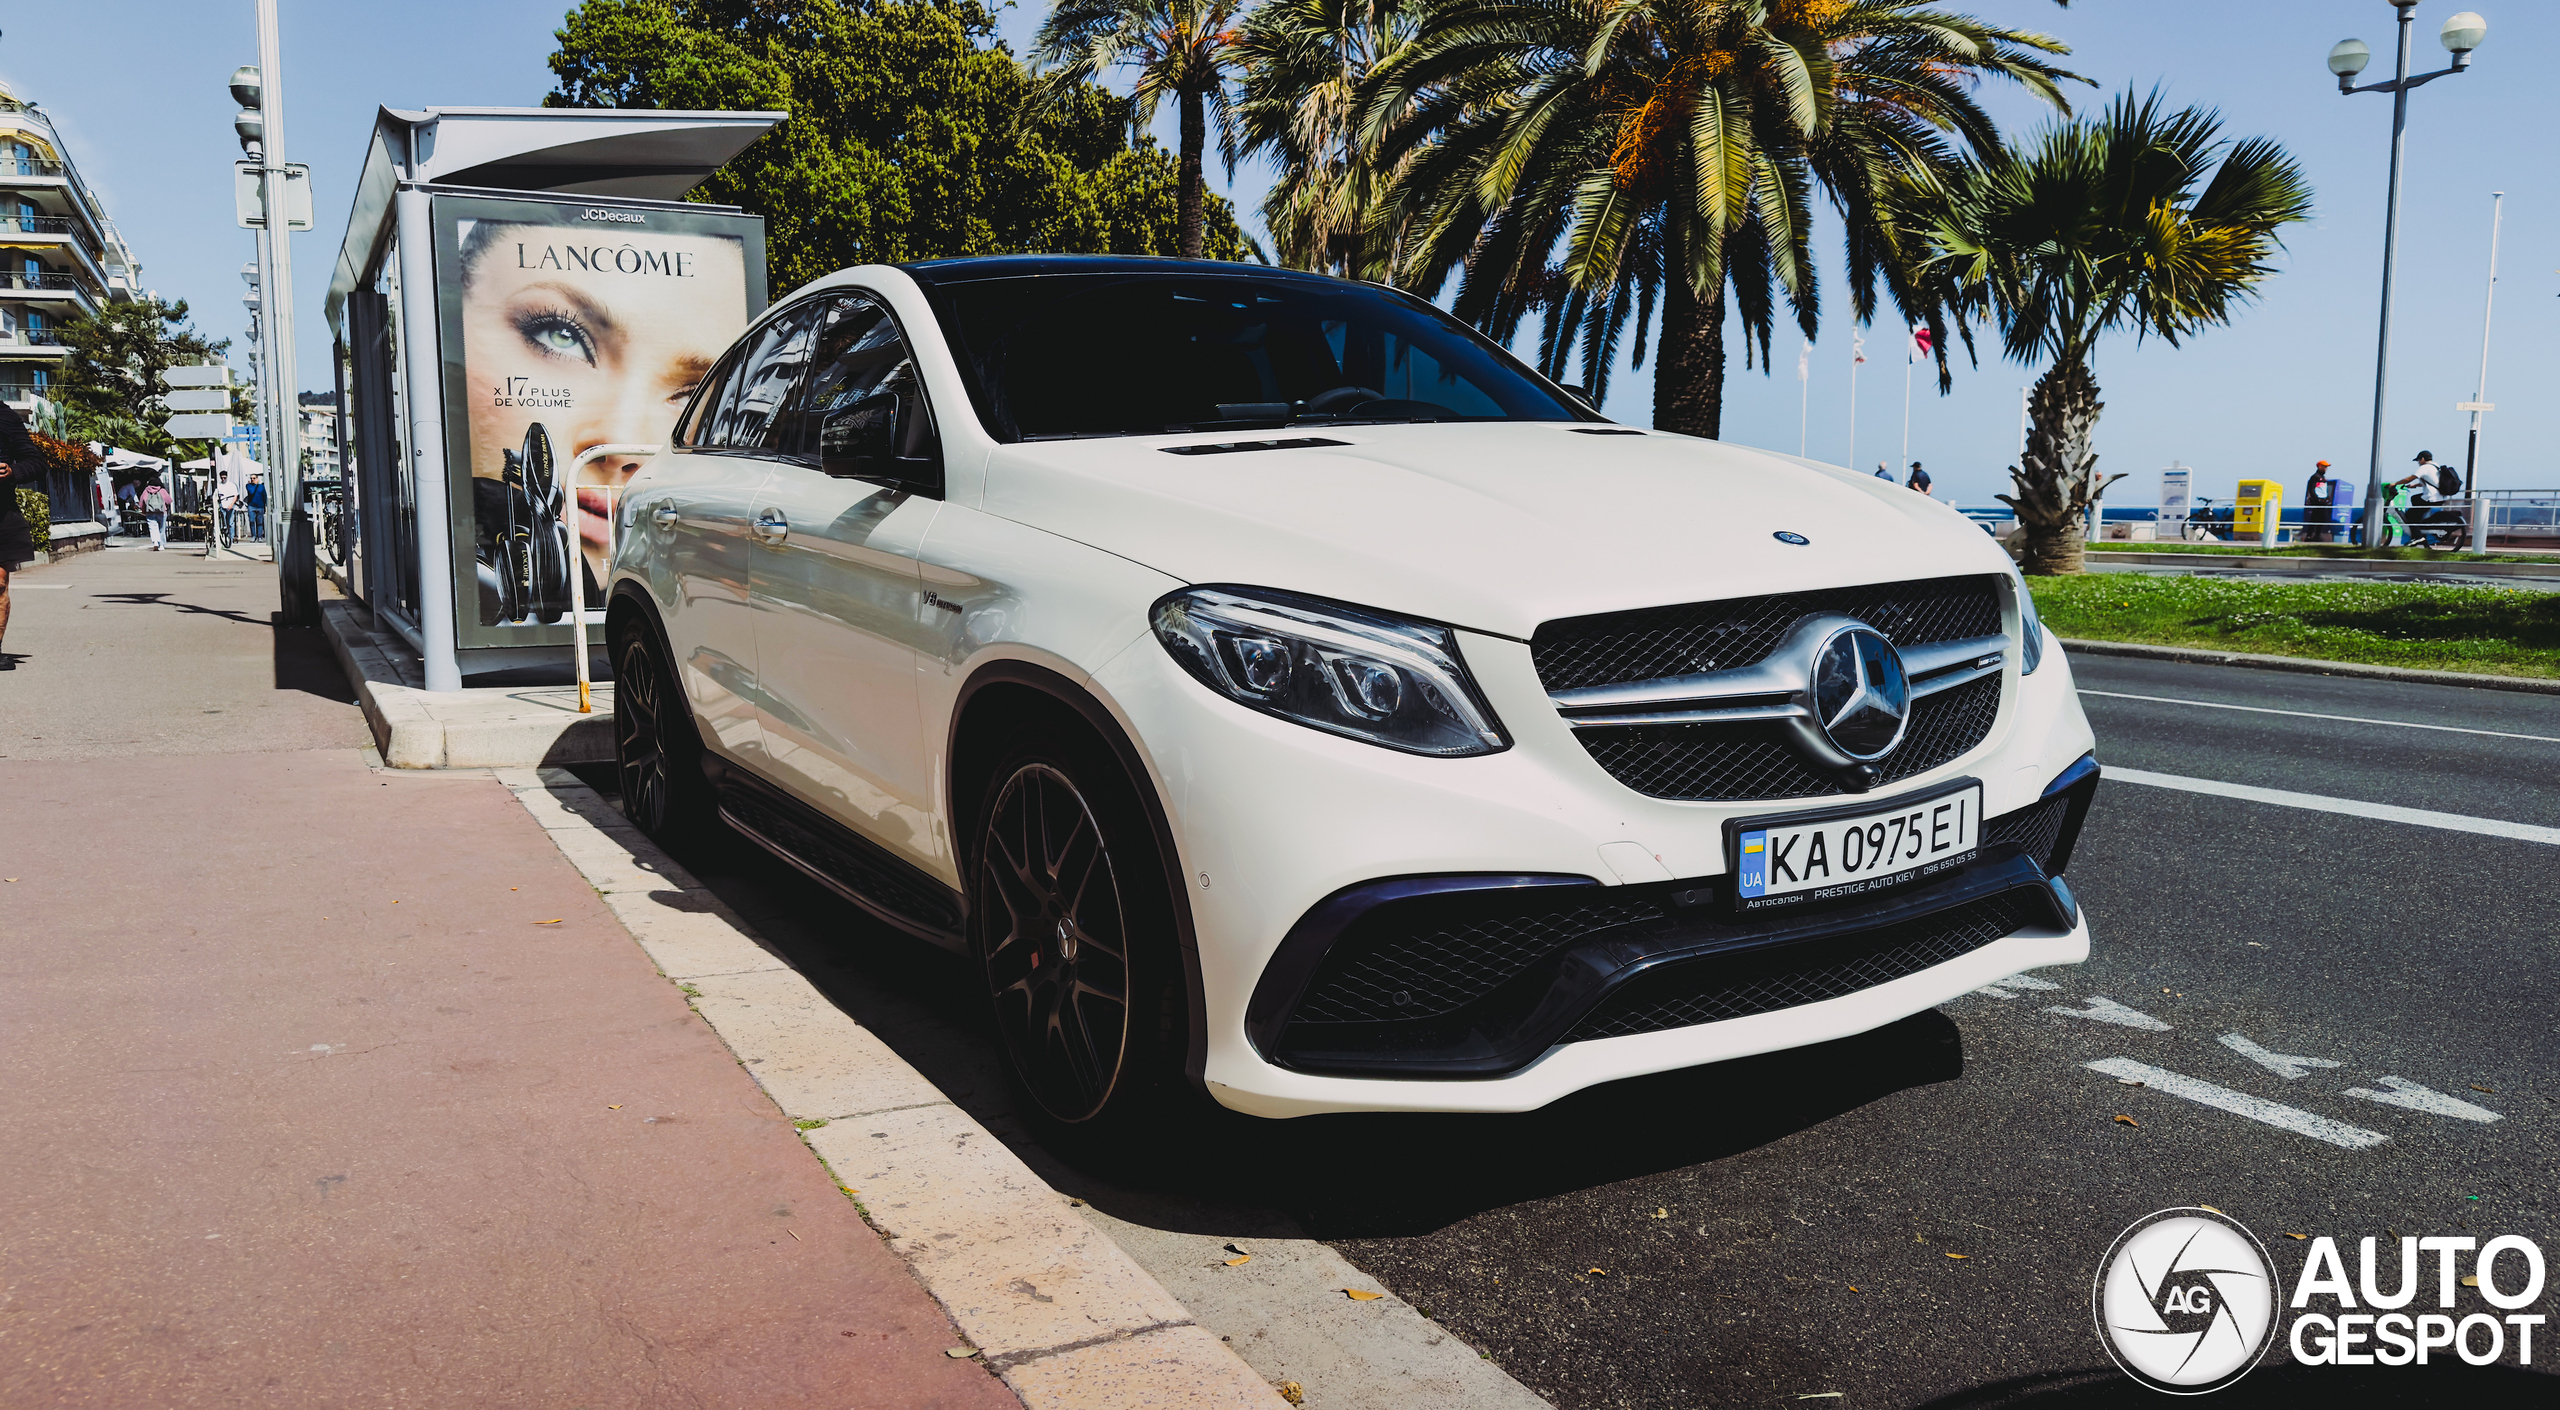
x=255, y=502
x=17, y=544
x=2319, y=505
x=155, y=513
x=1919, y=478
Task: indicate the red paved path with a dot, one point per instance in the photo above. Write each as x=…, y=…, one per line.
x=303, y=1108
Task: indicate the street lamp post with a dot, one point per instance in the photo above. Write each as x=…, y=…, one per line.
x=2480, y=399
x=261, y=129
x=2460, y=35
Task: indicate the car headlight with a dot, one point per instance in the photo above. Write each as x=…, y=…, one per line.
x=2031, y=629
x=1344, y=670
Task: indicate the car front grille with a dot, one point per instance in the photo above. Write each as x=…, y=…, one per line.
x=1715, y=988
x=2036, y=828
x=1752, y=761
x=1653, y=642
x=1420, y=961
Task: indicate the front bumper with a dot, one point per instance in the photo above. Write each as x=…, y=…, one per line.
x=1288, y=834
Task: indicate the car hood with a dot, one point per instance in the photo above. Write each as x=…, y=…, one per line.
x=1494, y=527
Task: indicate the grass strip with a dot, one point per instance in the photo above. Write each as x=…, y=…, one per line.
x=2422, y=626
x=2321, y=550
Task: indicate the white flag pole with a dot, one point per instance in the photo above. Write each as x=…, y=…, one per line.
x=1804, y=396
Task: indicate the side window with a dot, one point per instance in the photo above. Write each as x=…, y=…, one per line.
x=864, y=413
x=750, y=418
x=717, y=389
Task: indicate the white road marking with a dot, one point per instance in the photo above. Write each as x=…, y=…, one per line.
x=1999, y=988
x=2315, y=715
x=2294, y=1119
x=2284, y=1065
x=2416, y=1098
x=2350, y=807
x=2106, y=1010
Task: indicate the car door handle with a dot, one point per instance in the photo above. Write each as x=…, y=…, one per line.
x=772, y=526
x=664, y=516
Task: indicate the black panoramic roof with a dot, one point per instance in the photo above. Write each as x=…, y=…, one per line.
x=969, y=269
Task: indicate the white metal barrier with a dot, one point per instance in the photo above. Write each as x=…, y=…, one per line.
x=578, y=550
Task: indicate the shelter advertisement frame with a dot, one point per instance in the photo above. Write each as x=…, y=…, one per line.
x=563, y=323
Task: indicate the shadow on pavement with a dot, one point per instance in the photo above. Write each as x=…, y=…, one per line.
x=1348, y=1176
x=2443, y=1381
x=304, y=662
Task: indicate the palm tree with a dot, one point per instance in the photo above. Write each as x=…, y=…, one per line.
x=2126, y=222
x=1186, y=48
x=1672, y=147
x=1305, y=64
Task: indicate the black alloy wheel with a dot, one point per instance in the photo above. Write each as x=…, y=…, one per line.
x=1064, y=949
x=656, y=758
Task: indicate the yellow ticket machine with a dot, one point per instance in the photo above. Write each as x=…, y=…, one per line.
x=2259, y=513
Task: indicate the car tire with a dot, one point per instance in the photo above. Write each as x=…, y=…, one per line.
x=1071, y=922
x=657, y=755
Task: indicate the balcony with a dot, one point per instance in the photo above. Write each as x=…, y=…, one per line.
x=18, y=167
x=62, y=225
x=50, y=288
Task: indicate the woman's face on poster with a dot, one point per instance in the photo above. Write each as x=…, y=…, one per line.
x=598, y=335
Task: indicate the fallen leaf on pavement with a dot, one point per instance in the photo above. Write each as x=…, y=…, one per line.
x=1292, y=1392
x=2292, y=1235
x=2471, y=1280
x=1959, y=1255
x=2129, y=1082
x=1233, y=1262
x=1600, y=1272
x=1357, y=1295
x=2127, y=1120
x=2207, y=1206
x=555, y=920
x=2478, y=1088
x=961, y=1353
x=1853, y=1287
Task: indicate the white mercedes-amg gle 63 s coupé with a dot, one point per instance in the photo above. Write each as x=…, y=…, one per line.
x=1277, y=691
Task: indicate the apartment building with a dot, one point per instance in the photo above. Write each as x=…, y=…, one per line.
x=319, y=425
x=59, y=255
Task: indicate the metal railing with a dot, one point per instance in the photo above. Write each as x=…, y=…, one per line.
x=48, y=280
x=28, y=166
x=49, y=225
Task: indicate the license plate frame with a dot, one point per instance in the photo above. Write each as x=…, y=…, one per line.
x=1927, y=866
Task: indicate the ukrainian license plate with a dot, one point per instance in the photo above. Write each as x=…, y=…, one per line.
x=1854, y=851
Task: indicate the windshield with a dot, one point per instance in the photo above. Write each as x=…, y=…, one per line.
x=1137, y=354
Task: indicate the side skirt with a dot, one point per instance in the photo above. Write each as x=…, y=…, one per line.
x=838, y=858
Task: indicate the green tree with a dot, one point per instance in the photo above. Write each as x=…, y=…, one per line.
x=110, y=387
x=1672, y=149
x=1186, y=49
x=2143, y=220
x=912, y=134
x=1306, y=63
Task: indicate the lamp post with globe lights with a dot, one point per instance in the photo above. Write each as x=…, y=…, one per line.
x=2460, y=35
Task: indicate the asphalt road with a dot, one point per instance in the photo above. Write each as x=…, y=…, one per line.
x=1913, y=1217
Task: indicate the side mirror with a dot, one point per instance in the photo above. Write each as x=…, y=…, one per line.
x=860, y=439
x=882, y=437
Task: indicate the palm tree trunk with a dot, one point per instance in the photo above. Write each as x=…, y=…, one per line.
x=1688, y=367
x=2057, y=478
x=1195, y=137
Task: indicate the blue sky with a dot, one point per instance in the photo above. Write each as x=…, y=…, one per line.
x=138, y=86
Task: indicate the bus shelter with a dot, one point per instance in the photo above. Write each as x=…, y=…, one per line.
x=520, y=291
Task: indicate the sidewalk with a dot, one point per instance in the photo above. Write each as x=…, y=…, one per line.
x=338, y=1085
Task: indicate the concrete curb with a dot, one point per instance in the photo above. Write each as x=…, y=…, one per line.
x=465, y=729
x=2370, y=567
x=2304, y=665
x=1059, y=1311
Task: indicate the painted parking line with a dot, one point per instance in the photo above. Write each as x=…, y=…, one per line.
x=2294, y=1119
x=2284, y=1065
x=2315, y=715
x=2349, y=807
x=2106, y=1010
x=2400, y=1091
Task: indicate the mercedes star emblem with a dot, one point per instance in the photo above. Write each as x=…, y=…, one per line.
x=1860, y=692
